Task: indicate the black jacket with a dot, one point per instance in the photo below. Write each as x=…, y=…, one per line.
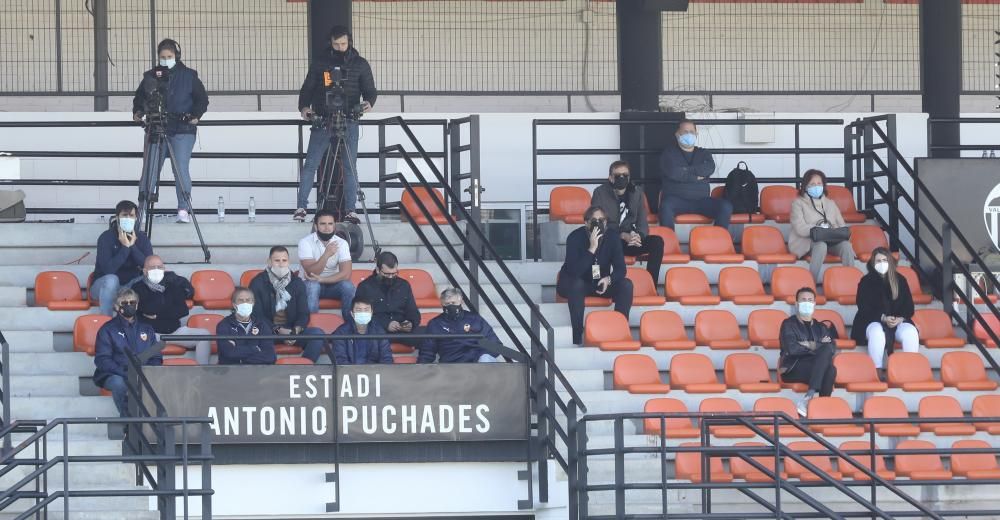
x=168, y=306
x=579, y=259
x=635, y=219
x=685, y=175
x=297, y=311
x=359, y=83
x=361, y=351
x=250, y=351
x=392, y=302
x=875, y=300
x=186, y=96
x=794, y=330
x=113, y=338
x=457, y=350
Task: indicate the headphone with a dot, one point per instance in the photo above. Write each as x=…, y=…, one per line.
x=341, y=30
x=169, y=44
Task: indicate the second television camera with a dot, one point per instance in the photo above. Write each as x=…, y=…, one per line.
x=155, y=113
x=338, y=110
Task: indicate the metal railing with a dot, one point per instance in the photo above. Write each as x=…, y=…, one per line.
x=5, y=390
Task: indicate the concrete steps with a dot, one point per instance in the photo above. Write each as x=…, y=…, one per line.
x=22, y=341
x=61, y=363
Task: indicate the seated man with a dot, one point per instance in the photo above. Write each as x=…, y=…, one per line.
x=361, y=351
x=807, y=349
x=241, y=322
x=454, y=320
x=280, y=300
x=622, y=203
x=121, y=253
x=393, y=306
x=123, y=332
x=594, y=266
x=326, y=264
x=684, y=188
x=163, y=302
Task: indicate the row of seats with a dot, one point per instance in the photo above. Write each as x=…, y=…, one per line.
x=694, y=373
x=766, y=245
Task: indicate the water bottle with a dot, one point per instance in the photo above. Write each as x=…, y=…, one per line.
x=222, y=209
x=984, y=154
x=252, y=210
x=993, y=154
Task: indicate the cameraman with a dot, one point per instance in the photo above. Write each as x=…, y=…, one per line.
x=186, y=101
x=359, y=88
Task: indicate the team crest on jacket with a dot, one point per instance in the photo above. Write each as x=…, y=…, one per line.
x=991, y=214
x=143, y=336
x=467, y=327
x=255, y=331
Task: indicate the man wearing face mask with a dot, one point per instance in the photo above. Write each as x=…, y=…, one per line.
x=249, y=351
x=121, y=253
x=619, y=197
x=807, y=350
x=163, y=299
x=684, y=187
x=594, y=266
x=361, y=351
x=280, y=299
x=326, y=264
x=455, y=320
x=121, y=333
x=393, y=306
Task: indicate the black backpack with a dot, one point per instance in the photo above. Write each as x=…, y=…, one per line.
x=741, y=189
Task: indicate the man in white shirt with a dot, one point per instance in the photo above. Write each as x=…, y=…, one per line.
x=326, y=265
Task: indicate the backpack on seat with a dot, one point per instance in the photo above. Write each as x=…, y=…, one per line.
x=741, y=190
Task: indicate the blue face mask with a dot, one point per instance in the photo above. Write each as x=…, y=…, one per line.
x=244, y=309
x=168, y=63
x=127, y=224
x=806, y=308
x=687, y=140
x=815, y=191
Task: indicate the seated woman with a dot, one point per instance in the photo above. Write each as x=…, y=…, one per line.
x=884, y=308
x=813, y=209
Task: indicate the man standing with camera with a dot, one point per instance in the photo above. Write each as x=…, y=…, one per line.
x=341, y=60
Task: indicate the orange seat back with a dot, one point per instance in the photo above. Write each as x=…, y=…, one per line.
x=842, y=197
x=326, y=321
x=671, y=244
x=427, y=196
x=865, y=238
x=863, y=459
x=787, y=280
x=293, y=361
x=992, y=324
x=710, y=240
x=884, y=407
x=212, y=285
x=642, y=282
x=908, y=464
x=963, y=463
x=661, y=325
x=854, y=367
x=85, y=330
x=665, y=405
x=205, y=321
x=248, y=276
x=741, y=468
x=179, y=361
x=420, y=282
x=688, y=466
x=908, y=367
x=912, y=279
x=776, y=404
x=834, y=317
x=765, y=325
x=739, y=281
x=939, y=407
x=822, y=462
x=686, y=281
x=986, y=406
x=933, y=324
x=719, y=405
x=57, y=286
x=715, y=325
x=829, y=408
x=602, y=326
x=358, y=276
x=763, y=240
x=634, y=369
x=743, y=368
x=841, y=282
x=961, y=366
x=776, y=201
x=691, y=369
x=568, y=204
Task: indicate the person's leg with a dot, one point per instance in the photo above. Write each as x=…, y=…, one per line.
x=668, y=210
x=202, y=349
x=828, y=380
x=106, y=288
x=183, y=146
x=876, y=342
x=312, y=295
x=489, y=358
x=719, y=210
x=311, y=347
x=908, y=335
x=822, y=362
x=652, y=245
x=845, y=252
x=119, y=393
x=350, y=173
x=343, y=291
x=817, y=255
x=574, y=290
x=319, y=142
x=621, y=294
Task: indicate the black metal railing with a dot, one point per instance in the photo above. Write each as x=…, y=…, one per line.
x=936, y=122
x=5, y=390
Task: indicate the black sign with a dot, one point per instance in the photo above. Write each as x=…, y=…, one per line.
x=374, y=403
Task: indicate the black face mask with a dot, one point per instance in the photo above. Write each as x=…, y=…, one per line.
x=128, y=310
x=387, y=281
x=597, y=223
x=453, y=311
x=620, y=182
x=324, y=236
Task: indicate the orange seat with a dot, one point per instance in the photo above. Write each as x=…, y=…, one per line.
x=865, y=238
x=325, y=321
x=424, y=290
x=688, y=466
x=779, y=405
x=776, y=202
x=916, y=292
x=650, y=217
x=840, y=284
x=427, y=196
x=742, y=469
x=689, y=286
x=832, y=408
x=91, y=297
x=713, y=245
x=911, y=372
x=609, y=331
x=643, y=288
x=403, y=359
x=856, y=372
x=718, y=330
x=692, y=218
x=664, y=330
x=85, y=330
x=935, y=329
x=942, y=407
x=208, y=322
x=356, y=278
x=888, y=407
x=179, y=361
x=787, y=280
x=59, y=291
x=173, y=350
x=766, y=245
x=725, y=406
x=842, y=197
x=843, y=340
x=638, y=374
x=248, y=276
x=568, y=204
x=742, y=286
x=965, y=371
x=674, y=427
x=920, y=467
x=987, y=406
x=976, y=466
x=764, y=328
x=694, y=374
x=749, y=373
x=293, y=361
x=213, y=289
x=865, y=459
x=399, y=348
x=719, y=192
x=588, y=301
x=982, y=333
x=823, y=463
x=793, y=386
x=672, y=253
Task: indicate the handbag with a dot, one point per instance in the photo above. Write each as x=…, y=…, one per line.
x=830, y=235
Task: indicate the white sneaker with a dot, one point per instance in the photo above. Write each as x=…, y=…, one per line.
x=183, y=217
x=803, y=406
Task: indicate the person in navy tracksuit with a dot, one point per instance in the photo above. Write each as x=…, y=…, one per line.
x=455, y=320
x=250, y=351
x=123, y=332
x=361, y=351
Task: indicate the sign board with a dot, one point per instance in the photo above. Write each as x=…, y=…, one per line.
x=968, y=189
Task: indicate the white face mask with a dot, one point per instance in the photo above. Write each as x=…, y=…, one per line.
x=362, y=318
x=806, y=309
x=244, y=309
x=280, y=272
x=155, y=275
x=168, y=63
x=127, y=224
x=882, y=267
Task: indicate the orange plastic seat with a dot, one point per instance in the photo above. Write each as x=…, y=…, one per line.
x=822, y=462
x=920, y=467
x=975, y=466
x=987, y=406
x=776, y=202
x=325, y=321
x=293, y=361
x=91, y=297
x=981, y=332
x=888, y=407
x=793, y=386
x=399, y=348
x=764, y=328
x=213, y=289
x=719, y=192
x=766, y=245
x=942, y=407
x=173, y=350
x=689, y=286
x=694, y=374
x=856, y=372
x=724, y=406
x=664, y=330
x=843, y=340
x=692, y=218
x=688, y=466
x=674, y=427
x=911, y=372
x=916, y=292
x=568, y=204
x=410, y=209
x=59, y=291
x=742, y=286
x=403, y=359
x=424, y=290
x=85, y=332
x=638, y=374
x=965, y=371
x=865, y=238
x=650, y=217
x=248, y=276
x=672, y=253
x=842, y=197
x=179, y=361
x=713, y=245
x=865, y=459
x=588, y=301
x=840, y=284
x=832, y=408
x=208, y=322
x=787, y=280
x=748, y=373
x=643, y=288
x=609, y=331
x=935, y=329
x=779, y=405
x=743, y=470
x=358, y=276
x=718, y=330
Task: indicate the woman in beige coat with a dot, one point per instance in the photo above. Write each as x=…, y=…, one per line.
x=814, y=209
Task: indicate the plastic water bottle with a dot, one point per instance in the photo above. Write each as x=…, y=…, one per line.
x=984, y=154
x=993, y=154
x=252, y=210
x=222, y=209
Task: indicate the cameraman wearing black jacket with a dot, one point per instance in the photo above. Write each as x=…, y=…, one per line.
x=359, y=87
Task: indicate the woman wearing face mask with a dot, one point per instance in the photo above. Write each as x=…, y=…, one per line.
x=249, y=351
x=186, y=102
x=884, y=308
x=813, y=209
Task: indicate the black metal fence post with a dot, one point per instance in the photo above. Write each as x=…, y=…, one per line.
x=947, y=280
x=894, y=187
x=581, y=472
x=5, y=391
x=101, y=54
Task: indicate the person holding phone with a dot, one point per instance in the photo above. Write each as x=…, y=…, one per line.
x=393, y=307
x=594, y=266
x=121, y=254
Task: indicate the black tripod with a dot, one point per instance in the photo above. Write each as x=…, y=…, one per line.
x=337, y=164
